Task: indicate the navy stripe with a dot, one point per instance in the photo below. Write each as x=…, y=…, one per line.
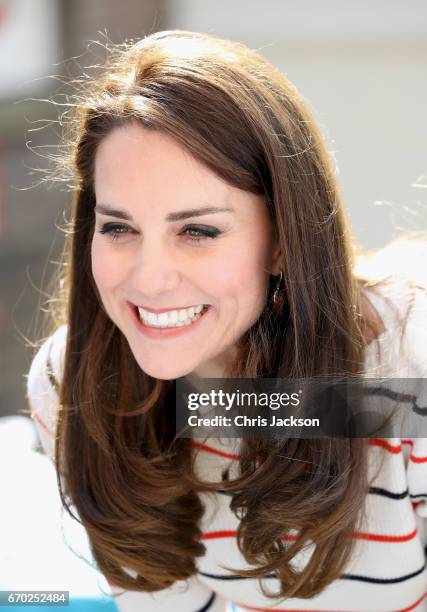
x=222, y=492
x=385, y=493
x=356, y=577
x=372, y=491
x=383, y=580
x=390, y=393
x=233, y=577
x=54, y=383
x=421, y=410
x=400, y=397
x=208, y=604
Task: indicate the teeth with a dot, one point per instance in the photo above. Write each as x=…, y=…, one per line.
x=173, y=318
x=163, y=318
x=182, y=315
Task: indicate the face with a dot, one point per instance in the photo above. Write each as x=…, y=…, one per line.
x=171, y=235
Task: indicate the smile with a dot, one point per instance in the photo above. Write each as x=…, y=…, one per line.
x=171, y=318
x=168, y=324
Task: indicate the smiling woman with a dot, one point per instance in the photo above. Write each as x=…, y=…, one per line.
x=171, y=263
x=208, y=239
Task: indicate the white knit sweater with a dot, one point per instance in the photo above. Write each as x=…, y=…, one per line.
x=388, y=569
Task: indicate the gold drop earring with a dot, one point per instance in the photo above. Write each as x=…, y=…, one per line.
x=277, y=288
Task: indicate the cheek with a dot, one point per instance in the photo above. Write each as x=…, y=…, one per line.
x=243, y=278
x=105, y=271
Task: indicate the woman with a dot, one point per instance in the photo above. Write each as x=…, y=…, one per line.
x=208, y=239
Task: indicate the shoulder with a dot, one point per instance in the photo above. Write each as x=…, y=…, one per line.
x=395, y=298
x=44, y=377
x=402, y=307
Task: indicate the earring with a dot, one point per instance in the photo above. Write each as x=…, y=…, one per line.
x=277, y=289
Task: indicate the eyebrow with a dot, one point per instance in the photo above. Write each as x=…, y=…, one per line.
x=174, y=216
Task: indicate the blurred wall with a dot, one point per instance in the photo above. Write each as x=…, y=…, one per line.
x=361, y=66
x=35, y=40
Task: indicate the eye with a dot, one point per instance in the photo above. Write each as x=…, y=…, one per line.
x=114, y=230
x=196, y=233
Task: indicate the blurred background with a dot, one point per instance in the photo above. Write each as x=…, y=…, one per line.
x=360, y=66
x=362, y=70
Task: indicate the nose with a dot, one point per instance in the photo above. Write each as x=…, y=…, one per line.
x=155, y=269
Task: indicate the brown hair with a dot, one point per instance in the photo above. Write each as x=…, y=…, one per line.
x=130, y=479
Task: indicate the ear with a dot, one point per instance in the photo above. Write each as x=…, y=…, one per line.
x=276, y=259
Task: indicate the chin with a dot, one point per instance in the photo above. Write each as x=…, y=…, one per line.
x=163, y=372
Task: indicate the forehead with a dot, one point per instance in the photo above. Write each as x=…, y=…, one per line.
x=133, y=158
x=148, y=172
x=136, y=144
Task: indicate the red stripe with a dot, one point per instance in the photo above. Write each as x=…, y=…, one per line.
x=37, y=418
x=416, y=459
x=359, y=535
x=414, y=605
x=378, y=537
x=408, y=609
x=229, y=533
x=214, y=451
x=280, y=609
x=391, y=448
x=212, y=535
x=3, y=15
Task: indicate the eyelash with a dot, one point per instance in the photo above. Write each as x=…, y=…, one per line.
x=113, y=231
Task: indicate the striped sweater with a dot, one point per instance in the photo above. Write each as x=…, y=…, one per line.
x=387, y=571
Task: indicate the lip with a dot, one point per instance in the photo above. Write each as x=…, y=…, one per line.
x=160, y=310
x=167, y=332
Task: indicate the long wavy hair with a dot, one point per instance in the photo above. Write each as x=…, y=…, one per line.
x=118, y=460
